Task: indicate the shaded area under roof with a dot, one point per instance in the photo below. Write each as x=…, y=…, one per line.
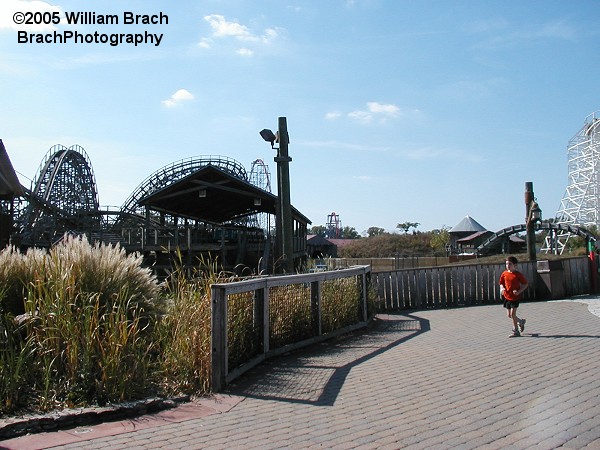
x=214, y=196
x=10, y=187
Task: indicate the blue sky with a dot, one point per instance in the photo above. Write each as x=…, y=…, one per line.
x=421, y=111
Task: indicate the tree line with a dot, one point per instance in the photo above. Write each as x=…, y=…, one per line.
x=378, y=243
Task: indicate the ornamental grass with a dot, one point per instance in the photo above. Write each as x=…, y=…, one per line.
x=84, y=325
x=76, y=326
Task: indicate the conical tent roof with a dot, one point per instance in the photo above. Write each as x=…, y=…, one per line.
x=467, y=224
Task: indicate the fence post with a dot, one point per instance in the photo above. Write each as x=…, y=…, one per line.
x=315, y=307
x=258, y=318
x=266, y=328
x=366, y=280
x=218, y=338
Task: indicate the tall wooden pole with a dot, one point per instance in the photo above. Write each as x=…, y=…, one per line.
x=285, y=235
x=530, y=237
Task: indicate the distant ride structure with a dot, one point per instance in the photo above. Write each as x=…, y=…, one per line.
x=133, y=210
x=260, y=176
x=334, y=226
x=580, y=206
x=199, y=206
x=63, y=197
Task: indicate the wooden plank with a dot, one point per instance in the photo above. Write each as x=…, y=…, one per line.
x=455, y=286
x=413, y=290
x=387, y=283
x=404, y=280
x=395, y=296
x=421, y=280
x=448, y=288
x=435, y=281
x=485, y=294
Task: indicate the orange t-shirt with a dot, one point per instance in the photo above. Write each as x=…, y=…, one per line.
x=512, y=281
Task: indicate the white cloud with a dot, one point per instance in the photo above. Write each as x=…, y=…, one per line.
x=361, y=116
x=245, y=52
x=379, y=112
x=9, y=7
x=224, y=29
x=379, y=108
x=332, y=115
x=177, y=98
x=375, y=111
x=205, y=43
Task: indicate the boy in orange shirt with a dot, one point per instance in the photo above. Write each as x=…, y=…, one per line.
x=512, y=285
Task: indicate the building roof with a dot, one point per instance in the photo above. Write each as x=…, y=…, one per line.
x=318, y=241
x=340, y=243
x=468, y=224
x=212, y=195
x=474, y=236
x=10, y=187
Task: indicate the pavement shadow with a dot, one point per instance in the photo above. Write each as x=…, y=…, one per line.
x=316, y=374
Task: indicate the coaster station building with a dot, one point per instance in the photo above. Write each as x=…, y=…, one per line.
x=202, y=207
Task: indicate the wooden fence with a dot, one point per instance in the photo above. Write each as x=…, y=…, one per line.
x=263, y=317
x=265, y=312
x=477, y=284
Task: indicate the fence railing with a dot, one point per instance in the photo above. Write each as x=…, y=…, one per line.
x=263, y=317
x=475, y=284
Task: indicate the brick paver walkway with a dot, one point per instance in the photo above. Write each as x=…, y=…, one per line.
x=429, y=379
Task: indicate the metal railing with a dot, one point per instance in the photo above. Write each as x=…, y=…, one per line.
x=259, y=318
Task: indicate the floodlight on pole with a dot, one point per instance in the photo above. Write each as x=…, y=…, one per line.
x=268, y=136
x=284, y=227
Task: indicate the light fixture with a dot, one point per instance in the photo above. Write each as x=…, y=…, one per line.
x=535, y=213
x=257, y=202
x=202, y=193
x=268, y=136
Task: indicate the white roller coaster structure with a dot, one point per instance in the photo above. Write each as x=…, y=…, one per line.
x=580, y=205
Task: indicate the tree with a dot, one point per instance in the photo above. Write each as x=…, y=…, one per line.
x=407, y=226
x=350, y=233
x=374, y=231
x=440, y=238
x=319, y=230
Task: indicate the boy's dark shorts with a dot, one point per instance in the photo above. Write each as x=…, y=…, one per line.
x=510, y=305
